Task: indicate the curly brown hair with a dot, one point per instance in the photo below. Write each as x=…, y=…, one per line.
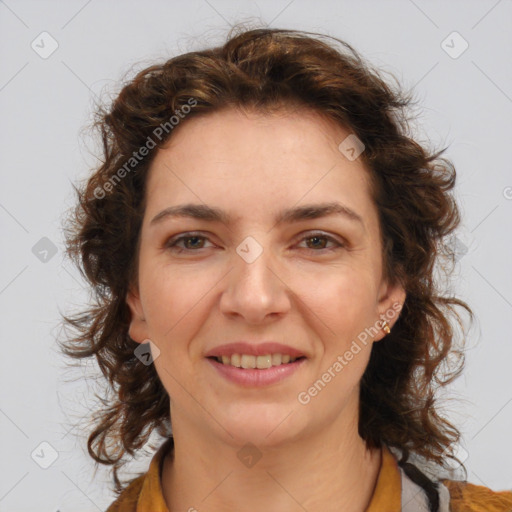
x=267, y=69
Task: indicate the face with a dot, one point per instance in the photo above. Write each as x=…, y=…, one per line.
x=255, y=265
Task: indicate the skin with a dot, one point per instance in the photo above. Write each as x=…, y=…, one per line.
x=296, y=292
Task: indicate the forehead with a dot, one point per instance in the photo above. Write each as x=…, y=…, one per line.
x=253, y=160
x=300, y=132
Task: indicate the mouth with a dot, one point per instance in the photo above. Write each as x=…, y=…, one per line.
x=251, y=362
x=251, y=371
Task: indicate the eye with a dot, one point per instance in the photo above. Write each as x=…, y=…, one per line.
x=194, y=239
x=319, y=244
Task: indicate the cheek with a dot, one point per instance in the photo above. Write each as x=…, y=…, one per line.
x=174, y=305
x=177, y=302
x=166, y=299
x=342, y=297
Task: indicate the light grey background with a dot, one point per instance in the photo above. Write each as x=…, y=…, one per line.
x=466, y=103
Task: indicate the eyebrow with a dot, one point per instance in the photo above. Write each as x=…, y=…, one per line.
x=290, y=215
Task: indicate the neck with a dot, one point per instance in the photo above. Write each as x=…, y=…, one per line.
x=312, y=473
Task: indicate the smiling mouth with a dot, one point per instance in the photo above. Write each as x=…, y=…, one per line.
x=246, y=361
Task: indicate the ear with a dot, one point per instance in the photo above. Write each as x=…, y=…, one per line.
x=138, y=330
x=390, y=303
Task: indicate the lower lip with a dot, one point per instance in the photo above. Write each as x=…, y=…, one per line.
x=254, y=377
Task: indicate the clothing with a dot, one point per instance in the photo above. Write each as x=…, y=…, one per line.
x=394, y=491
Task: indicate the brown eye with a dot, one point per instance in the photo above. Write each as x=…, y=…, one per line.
x=192, y=242
x=319, y=242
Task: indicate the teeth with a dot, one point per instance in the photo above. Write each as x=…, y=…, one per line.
x=248, y=361
x=260, y=362
x=264, y=361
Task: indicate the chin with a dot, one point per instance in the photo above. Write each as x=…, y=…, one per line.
x=264, y=425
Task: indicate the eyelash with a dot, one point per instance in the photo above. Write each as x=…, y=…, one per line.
x=172, y=243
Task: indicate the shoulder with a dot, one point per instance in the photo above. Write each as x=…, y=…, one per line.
x=466, y=497
x=145, y=491
x=129, y=497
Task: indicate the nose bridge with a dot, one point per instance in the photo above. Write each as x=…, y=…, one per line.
x=254, y=290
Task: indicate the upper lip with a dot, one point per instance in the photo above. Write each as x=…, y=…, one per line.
x=258, y=349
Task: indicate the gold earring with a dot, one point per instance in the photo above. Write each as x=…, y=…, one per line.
x=385, y=326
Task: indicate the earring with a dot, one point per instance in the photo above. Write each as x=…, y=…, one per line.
x=385, y=327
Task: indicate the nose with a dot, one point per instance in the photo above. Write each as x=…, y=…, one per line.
x=255, y=290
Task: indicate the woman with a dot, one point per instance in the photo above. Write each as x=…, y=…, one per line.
x=262, y=239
